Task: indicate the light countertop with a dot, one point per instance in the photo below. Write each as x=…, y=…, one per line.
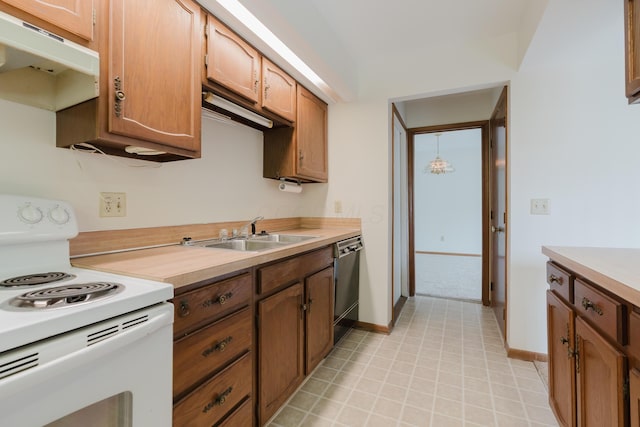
x=184, y=265
x=614, y=269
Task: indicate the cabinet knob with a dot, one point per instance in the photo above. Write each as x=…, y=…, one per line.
x=553, y=278
x=120, y=95
x=219, y=401
x=184, y=309
x=587, y=304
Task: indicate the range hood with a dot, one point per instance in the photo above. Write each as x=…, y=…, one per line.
x=241, y=114
x=42, y=69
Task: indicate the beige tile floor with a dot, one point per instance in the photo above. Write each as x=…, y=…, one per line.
x=443, y=365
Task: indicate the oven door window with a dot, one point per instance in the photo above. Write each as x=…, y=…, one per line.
x=114, y=411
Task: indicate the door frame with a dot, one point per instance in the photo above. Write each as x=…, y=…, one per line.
x=486, y=198
x=397, y=308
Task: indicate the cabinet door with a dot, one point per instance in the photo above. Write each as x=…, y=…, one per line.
x=601, y=371
x=278, y=91
x=632, y=51
x=73, y=16
x=319, y=291
x=231, y=61
x=311, y=134
x=562, y=379
x=281, y=348
x=154, y=76
x=634, y=397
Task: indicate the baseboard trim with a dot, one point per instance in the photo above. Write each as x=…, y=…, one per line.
x=397, y=309
x=372, y=327
x=528, y=356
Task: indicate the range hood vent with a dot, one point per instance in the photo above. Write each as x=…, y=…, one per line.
x=42, y=69
x=241, y=114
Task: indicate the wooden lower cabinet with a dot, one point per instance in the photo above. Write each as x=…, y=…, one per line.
x=589, y=380
x=634, y=397
x=319, y=320
x=213, y=362
x=294, y=324
x=562, y=378
x=601, y=372
x=281, y=348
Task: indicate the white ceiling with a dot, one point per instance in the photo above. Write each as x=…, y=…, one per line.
x=340, y=38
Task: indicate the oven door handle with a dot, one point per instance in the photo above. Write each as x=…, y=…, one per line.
x=162, y=316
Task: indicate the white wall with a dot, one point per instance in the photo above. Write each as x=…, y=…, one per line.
x=225, y=184
x=448, y=207
x=573, y=139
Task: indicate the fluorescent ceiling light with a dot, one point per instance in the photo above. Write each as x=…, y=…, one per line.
x=212, y=99
x=258, y=28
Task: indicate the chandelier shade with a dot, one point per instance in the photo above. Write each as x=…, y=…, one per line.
x=438, y=165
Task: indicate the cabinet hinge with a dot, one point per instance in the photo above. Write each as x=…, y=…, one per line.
x=94, y=16
x=576, y=354
x=491, y=286
x=206, y=59
x=504, y=217
x=491, y=214
x=625, y=388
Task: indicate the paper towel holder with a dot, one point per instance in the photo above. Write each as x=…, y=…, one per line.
x=290, y=185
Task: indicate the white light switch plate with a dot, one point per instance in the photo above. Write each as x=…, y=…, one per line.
x=539, y=206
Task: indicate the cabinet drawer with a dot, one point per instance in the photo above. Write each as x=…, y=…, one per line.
x=560, y=281
x=210, y=402
x=285, y=272
x=604, y=312
x=241, y=417
x=194, y=309
x=207, y=350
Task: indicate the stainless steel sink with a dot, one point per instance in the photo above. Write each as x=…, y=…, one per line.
x=245, y=245
x=252, y=243
x=282, y=238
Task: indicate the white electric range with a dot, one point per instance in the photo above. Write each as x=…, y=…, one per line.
x=76, y=344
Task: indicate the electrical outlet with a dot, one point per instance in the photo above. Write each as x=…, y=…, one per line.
x=113, y=204
x=539, y=206
x=337, y=208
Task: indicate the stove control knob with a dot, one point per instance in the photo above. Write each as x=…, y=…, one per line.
x=59, y=215
x=29, y=214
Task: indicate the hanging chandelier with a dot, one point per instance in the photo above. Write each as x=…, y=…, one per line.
x=438, y=165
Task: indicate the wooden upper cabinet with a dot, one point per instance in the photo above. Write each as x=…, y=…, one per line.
x=278, y=91
x=299, y=152
x=232, y=62
x=311, y=128
x=74, y=16
x=153, y=86
x=632, y=49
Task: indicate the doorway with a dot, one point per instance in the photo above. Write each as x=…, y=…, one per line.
x=449, y=211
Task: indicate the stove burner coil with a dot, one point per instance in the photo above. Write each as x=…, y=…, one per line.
x=62, y=296
x=37, y=279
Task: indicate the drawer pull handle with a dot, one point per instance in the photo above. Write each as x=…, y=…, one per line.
x=589, y=305
x=222, y=299
x=219, y=401
x=219, y=346
x=184, y=309
x=553, y=278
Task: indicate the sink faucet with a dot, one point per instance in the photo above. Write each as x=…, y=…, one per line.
x=253, y=224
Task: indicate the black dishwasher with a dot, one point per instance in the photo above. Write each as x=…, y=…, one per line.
x=346, y=266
